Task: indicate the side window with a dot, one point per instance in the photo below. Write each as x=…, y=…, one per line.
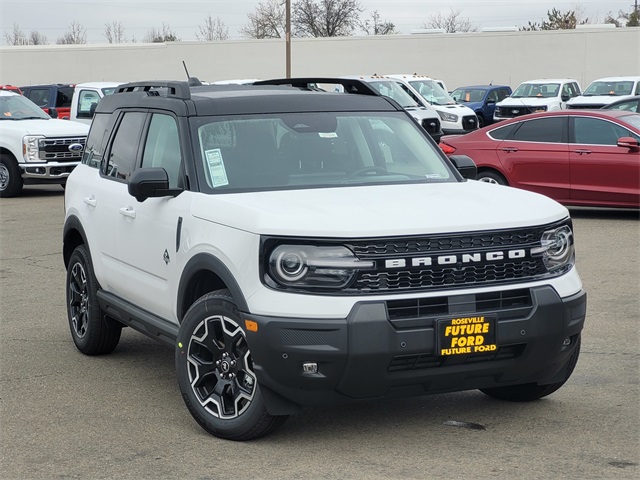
x=162, y=147
x=594, y=131
x=638, y=88
x=63, y=97
x=502, y=132
x=94, y=148
x=86, y=99
x=548, y=130
x=124, y=148
x=39, y=96
x=493, y=96
x=503, y=93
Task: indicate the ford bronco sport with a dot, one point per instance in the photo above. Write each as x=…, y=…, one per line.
x=304, y=248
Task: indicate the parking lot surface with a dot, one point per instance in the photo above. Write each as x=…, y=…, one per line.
x=65, y=415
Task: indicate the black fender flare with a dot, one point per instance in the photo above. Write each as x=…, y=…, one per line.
x=208, y=262
x=72, y=223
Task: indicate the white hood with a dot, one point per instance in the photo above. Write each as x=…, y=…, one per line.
x=47, y=127
x=527, y=101
x=376, y=211
x=597, y=99
x=455, y=108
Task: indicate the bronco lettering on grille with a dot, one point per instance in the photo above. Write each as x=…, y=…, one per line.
x=455, y=259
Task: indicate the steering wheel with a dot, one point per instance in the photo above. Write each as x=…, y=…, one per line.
x=371, y=169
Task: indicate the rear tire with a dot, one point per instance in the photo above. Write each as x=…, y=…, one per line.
x=491, y=176
x=215, y=371
x=92, y=331
x=10, y=177
x=532, y=391
x=481, y=121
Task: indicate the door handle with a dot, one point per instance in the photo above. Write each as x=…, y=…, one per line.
x=581, y=152
x=128, y=212
x=91, y=201
x=509, y=149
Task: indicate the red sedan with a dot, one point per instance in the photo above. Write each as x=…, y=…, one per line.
x=577, y=157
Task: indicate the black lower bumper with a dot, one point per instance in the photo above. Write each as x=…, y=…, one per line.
x=368, y=356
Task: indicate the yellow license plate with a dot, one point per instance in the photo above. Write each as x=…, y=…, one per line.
x=466, y=335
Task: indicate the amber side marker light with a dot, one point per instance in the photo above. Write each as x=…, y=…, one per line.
x=250, y=325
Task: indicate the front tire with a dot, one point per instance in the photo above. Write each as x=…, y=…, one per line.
x=92, y=332
x=215, y=371
x=532, y=391
x=10, y=177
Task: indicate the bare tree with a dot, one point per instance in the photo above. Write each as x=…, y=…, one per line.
x=160, y=36
x=375, y=26
x=267, y=21
x=114, y=32
x=325, y=18
x=36, y=38
x=624, y=19
x=450, y=23
x=16, y=37
x=213, y=29
x=76, y=35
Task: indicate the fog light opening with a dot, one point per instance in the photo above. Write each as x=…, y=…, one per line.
x=310, y=367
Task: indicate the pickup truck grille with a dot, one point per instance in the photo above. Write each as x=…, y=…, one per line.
x=57, y=149
x=511, y=112
x=438, y=262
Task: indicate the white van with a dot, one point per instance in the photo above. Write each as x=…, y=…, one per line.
x=86, y=96
x=456, y=119
x=604, y=91
x=542, y=95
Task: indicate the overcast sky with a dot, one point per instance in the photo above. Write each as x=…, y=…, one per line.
x=52, y=18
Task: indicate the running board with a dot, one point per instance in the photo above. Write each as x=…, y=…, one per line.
x=138, y=319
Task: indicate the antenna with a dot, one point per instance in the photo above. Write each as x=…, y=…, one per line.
x=192, y=81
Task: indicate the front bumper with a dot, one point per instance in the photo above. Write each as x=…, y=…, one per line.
x=46, y=172
x=367, y=355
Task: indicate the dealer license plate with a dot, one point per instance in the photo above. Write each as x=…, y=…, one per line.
x=466, y=335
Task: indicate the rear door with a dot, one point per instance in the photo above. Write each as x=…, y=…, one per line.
x=535, y=156
x=602, y=172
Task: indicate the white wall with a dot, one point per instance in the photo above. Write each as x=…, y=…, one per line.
x=458, y=59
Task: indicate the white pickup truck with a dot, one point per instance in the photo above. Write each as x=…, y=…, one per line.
x=85, y=98
x=35, y=148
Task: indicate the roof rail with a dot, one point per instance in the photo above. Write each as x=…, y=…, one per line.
x=175, y=89
x=310, y=83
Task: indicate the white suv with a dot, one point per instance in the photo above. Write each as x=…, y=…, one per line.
x=604, y=91
x=543, y=95
x=301, y=248
x=456, y=119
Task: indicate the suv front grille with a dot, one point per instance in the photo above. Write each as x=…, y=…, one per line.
x=450, y=263
x=58, y=149
x=470, y=122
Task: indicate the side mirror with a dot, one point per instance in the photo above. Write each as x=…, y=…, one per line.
x=151, y=183
x=53, y=112
x=565, y=97
x=491, y=101
x=628, y=142
x=465, y=165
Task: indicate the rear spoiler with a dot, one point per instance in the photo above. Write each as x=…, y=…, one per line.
x=310, y=83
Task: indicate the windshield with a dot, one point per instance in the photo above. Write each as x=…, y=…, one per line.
x=432, y=92
x=609, y=88
x=17, y=107
x=468, y=95
x=539, y=90
x=392, y=89
x=314, y=150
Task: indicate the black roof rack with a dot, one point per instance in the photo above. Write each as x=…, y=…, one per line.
x=350, y=85
x=175, y=89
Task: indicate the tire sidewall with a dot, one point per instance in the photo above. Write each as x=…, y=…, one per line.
x=205, y=307
x=14, y=186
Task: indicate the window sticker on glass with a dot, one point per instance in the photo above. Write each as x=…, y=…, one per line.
x=216, y=168
x=327, y=134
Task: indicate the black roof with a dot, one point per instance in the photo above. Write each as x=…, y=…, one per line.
x=185, y=100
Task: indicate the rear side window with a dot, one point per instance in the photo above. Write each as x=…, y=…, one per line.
x=39, y=96
x=94, y=149
x=503, y=132
x=63, y=97
x=124, y=149
x=547, y=130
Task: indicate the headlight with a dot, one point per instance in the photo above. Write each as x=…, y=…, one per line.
x=556, y=248
x=30, y=148
x=447, y=117
x=315, y=267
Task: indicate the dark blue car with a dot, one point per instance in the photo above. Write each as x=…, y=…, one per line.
x=482, y=99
